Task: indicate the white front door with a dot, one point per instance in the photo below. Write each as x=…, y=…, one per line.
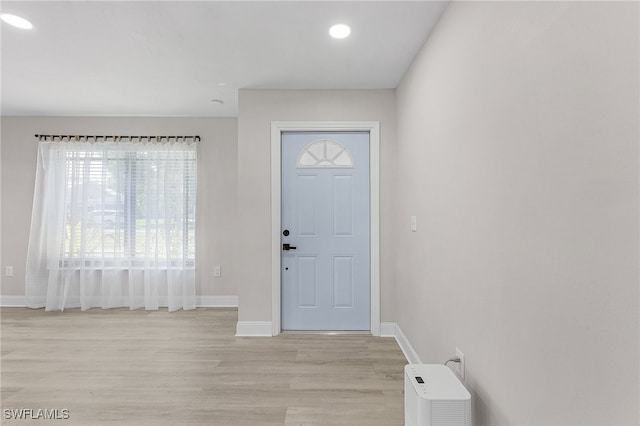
x=325, y=231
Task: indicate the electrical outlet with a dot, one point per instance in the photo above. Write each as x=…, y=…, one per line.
x=460, y=365
x=217, y=271
x=9, y=271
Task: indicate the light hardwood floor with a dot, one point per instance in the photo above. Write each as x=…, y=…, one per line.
x=122, y=367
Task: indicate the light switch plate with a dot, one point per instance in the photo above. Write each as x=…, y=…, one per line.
x=414, y=223
x=217, y=271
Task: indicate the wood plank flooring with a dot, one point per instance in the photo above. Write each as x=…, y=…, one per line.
x=122, y=367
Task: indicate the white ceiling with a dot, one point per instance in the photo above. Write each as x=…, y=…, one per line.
x=171, y=58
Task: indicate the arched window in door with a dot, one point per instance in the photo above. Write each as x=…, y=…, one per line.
x=324, y=153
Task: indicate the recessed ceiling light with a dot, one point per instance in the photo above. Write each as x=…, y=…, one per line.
x=340, y=31
x=16, y=21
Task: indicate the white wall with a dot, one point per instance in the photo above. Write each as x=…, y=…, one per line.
x=518, y=151
x=257, y=109
x=216, y=187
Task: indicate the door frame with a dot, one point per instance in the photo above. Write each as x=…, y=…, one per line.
x=277, y=128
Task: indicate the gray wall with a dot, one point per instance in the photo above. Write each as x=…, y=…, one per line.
x=216, y=187
x=518, y=152
x=257, y=109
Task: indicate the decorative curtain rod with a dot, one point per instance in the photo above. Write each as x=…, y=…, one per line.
x=96, y=138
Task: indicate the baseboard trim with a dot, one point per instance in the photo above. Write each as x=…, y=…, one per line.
x=392, y=329
x=217, y=301
x=253, y=329
x=409, y=353
x=12, y=302
x=201, y=302
x=387, y=329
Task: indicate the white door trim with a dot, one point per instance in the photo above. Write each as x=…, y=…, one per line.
x=277, y=127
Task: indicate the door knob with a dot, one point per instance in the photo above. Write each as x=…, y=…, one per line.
x=287, y=246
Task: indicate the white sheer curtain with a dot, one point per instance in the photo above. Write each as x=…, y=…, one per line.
x=113, y=225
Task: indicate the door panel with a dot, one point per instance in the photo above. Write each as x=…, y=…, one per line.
x=343, y=287
x=343, y=206
x=307, y=282
x=307, y=206
x=325, y=208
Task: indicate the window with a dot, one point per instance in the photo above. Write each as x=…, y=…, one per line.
x=113, y=224
x=325, y=153
x=133, y=205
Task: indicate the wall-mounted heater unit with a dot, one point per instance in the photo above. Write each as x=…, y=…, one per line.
x=433, y=396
